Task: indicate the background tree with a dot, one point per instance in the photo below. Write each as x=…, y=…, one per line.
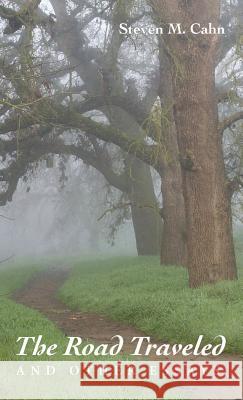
x=138, y=182
x=127, y=109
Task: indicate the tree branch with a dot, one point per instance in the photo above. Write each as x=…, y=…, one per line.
x=34, y=148
x=65, y=117
x=227, y=122
x=18, y=19
x=6, y=259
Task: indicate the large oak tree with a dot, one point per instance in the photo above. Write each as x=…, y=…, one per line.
x=193, y=59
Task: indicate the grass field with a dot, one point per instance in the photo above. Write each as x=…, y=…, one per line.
x=157, y=299
x=135, y=290
x=17, y=320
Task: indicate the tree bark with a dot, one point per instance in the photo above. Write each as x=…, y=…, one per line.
x=211, y=256
x=146, y=218
x=173, y=249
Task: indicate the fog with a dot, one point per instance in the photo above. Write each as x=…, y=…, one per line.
x=50, y=215
x=64, y=191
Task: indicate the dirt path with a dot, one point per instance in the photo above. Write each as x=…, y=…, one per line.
x=40, y=294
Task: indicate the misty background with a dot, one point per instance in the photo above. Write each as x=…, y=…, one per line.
x=61, y=204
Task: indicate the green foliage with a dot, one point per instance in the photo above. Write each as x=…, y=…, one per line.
x=157, y=300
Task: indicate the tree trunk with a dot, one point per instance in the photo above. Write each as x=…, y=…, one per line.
x=146, y=219
x=149, y=227
x=173, y=249
x=211, y=255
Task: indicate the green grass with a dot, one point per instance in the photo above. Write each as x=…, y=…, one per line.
x=17, y=320
x=136, y=290
x=157, y=300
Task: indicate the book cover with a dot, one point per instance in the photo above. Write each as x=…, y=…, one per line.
x=121, y=251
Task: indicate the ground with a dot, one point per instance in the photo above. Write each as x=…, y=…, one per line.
x=18, y=320
x=157, y=300
x=127, y=295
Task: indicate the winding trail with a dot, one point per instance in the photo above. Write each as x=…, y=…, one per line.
x=40, y=294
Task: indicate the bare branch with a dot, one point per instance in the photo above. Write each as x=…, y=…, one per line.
x=7, y=218
x=227, y=122
x=125, y=205
x=6, y=259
